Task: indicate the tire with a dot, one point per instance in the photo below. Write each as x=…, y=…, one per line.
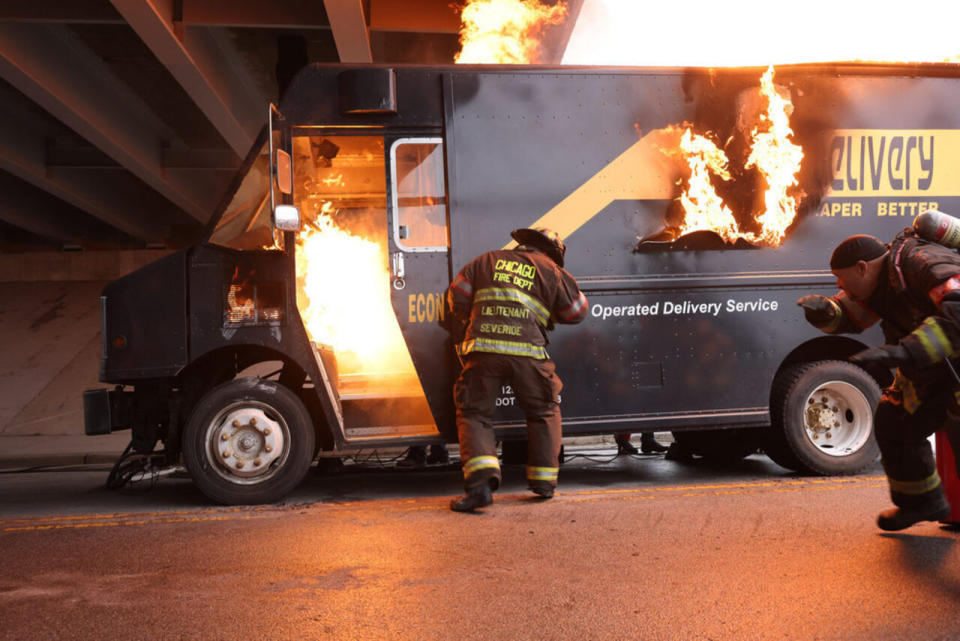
x=720, y=446
x=248, y=441
x=822, y=418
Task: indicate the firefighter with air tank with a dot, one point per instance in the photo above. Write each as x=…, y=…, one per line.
x=508, y=300
x=912, y=286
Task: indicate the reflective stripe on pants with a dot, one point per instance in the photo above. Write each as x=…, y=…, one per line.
x=904, y=449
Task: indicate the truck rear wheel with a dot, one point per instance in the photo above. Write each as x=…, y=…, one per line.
x=822, y=418
x=248, y=441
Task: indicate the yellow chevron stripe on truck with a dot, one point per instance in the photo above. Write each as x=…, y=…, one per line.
x=642, y=172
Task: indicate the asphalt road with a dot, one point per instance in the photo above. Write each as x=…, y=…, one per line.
x=630, y=549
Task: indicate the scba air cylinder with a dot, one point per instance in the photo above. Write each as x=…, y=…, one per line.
x=938, y=227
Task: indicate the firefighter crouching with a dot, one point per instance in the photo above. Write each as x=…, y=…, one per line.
x=913, y=288
x=508, y=300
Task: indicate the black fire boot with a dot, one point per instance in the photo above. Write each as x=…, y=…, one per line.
x=626, y=447
x=438, y=455
x=677, y=452
x=416, y=457
x=477, y=497
x=543, y=490
x=649, y=445
x=899, y=518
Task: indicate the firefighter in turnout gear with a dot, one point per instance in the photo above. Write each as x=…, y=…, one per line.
x=913, y=288
x=508, y=300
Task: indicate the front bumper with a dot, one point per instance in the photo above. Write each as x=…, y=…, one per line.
x=106, y=411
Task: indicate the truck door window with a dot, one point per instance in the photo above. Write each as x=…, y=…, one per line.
x=418, y=194
x=245, y=224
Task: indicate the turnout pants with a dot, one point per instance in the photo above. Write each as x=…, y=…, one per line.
x=905, y=451
x=537, y=390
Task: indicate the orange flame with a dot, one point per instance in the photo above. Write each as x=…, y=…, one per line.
x=345, y=297
x=505, y=31
x=772, y=153
x=778, y=160
x=703, y=206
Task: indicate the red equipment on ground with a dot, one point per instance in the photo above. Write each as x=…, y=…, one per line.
x=947, y=469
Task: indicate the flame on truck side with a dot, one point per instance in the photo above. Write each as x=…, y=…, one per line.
x=774, y=156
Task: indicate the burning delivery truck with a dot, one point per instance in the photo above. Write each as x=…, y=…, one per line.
x=698, y=206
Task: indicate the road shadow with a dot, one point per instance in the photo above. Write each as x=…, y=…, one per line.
x=370, y=481
x=930, y=559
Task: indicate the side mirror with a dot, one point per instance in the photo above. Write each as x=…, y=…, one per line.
x=286, y=218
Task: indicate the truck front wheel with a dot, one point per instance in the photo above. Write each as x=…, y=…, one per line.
x=248, y=441
x=822, y=418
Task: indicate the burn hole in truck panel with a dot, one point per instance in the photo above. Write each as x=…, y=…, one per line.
x=251, y=303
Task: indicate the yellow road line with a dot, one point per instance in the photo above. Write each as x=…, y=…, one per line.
x=123, y=515
x=123, y=519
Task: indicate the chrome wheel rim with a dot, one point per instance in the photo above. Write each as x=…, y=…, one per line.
x=837, y=418
x=247, y=442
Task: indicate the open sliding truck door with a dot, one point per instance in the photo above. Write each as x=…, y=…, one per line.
x=390, y=376
x=419, y=242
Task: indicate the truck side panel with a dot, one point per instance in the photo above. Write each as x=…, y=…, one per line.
x=689, y=334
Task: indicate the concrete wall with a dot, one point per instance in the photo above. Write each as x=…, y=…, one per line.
x=74, y=265
x=50, y=329
x=51, y=351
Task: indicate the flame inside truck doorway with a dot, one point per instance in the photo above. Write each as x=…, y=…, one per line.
x=343, y=282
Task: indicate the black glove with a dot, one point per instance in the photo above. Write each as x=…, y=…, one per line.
x=819, y=310
x=885, y=356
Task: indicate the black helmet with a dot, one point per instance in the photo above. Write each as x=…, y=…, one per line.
x=546, y=240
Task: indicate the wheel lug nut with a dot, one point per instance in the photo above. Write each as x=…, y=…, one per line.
x=256, y=462
x=816, y=436
x=266, y=431
x=268, y=448
x=836, y=423
x=226, y=454
x=224, y=437
x=828, y=435
x=253, y=421
x=239, y=464
x=236, y=423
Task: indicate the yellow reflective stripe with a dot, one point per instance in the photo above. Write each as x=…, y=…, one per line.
x=542, y=473
x=514, y=296
x=916, y=487
x=510, y=348
x=480, y=463
x=941, y=336
x=927, y=345
x=934, y=340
